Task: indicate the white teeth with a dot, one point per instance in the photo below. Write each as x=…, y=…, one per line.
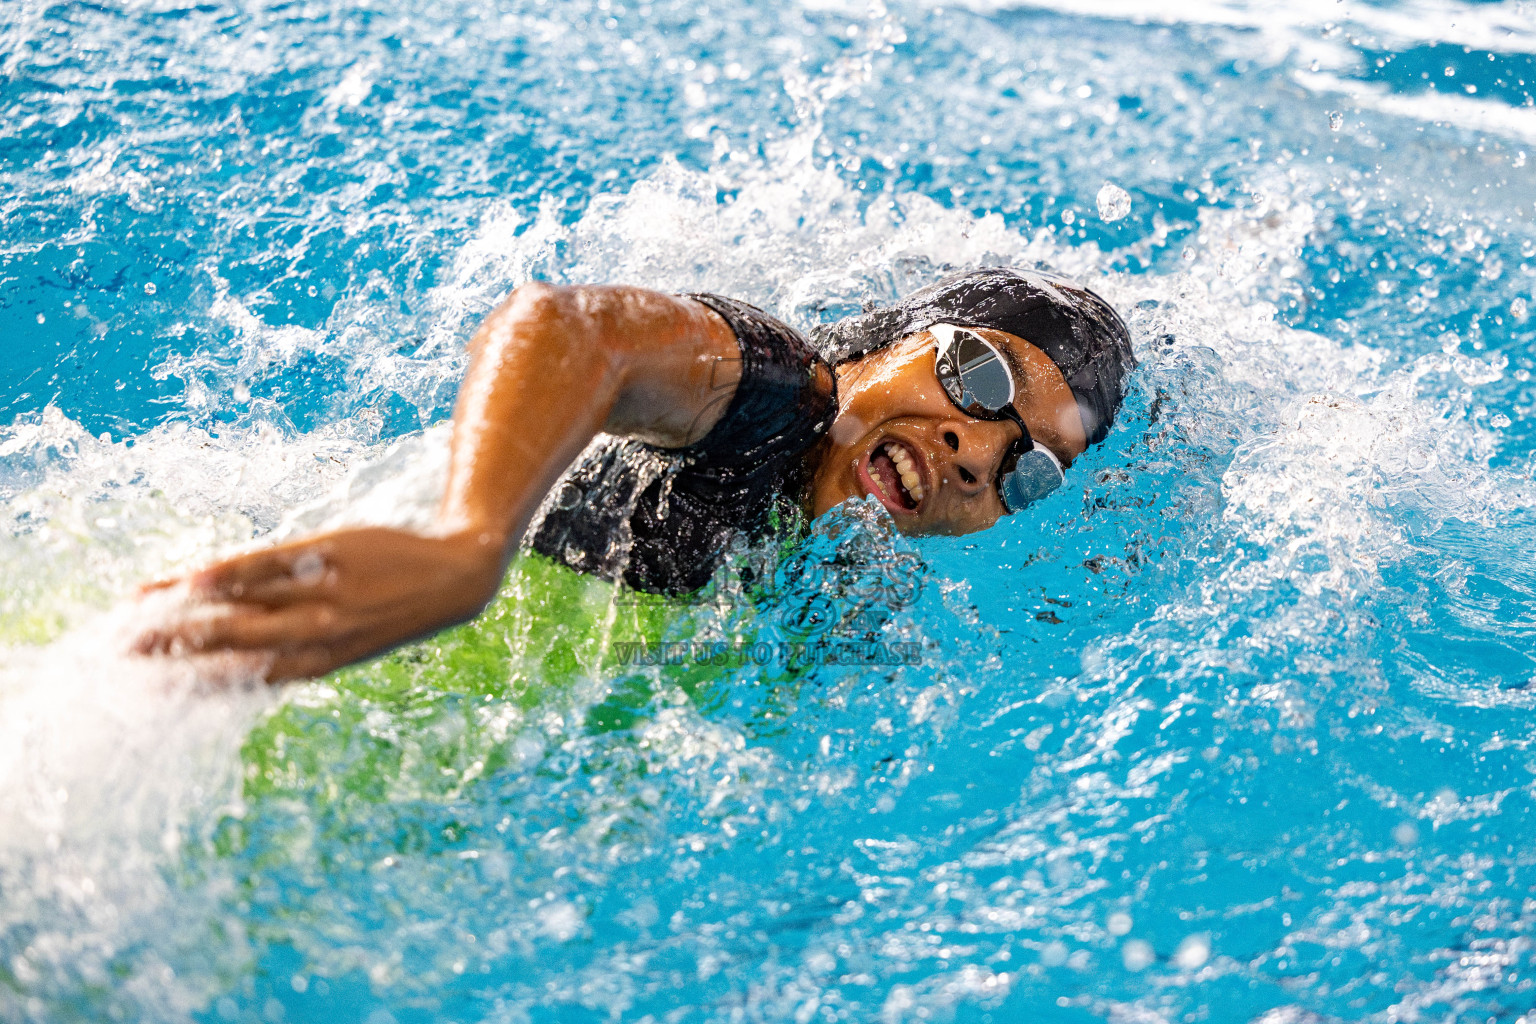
x=907, y=470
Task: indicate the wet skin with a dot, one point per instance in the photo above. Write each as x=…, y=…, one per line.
x=894, y=396
x=549, y=370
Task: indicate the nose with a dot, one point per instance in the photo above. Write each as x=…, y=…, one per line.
x=977, y=448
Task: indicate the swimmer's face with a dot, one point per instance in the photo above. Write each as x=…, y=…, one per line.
x=898, y=437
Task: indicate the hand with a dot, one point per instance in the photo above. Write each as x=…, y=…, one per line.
x=305, y=608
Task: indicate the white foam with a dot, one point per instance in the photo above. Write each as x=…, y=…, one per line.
x=1467, y=113
x=109, y=769
x=1498, y=28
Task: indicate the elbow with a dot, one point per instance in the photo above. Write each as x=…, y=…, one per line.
x=561, y=322
x=532, y=305
x=536, y=299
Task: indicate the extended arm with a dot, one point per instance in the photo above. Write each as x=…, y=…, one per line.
x=551, y=368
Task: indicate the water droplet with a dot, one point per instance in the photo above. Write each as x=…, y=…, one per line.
x=1119, y=923
x=1114, y=202
x=150, y=288
x=308, y=568
x=1335, y=120
x=560, y=919
x=1193, y=952
x=1137, y=955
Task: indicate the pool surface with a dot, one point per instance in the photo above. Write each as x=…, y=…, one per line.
x=1236, y=727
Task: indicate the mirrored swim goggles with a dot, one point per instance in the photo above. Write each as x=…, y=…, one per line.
x=977, y=378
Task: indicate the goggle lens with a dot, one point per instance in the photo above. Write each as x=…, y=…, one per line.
x=1035, y=475
x=977, y=379
x=974, y=373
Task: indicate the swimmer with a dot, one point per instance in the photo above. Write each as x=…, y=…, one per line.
x=961, y=403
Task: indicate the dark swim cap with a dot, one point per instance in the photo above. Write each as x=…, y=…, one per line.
x=1081, y=332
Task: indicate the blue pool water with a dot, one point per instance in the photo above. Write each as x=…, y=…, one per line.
x=1236, y=728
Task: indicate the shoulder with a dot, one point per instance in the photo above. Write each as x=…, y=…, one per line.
x=761, y=335
x=787, y=393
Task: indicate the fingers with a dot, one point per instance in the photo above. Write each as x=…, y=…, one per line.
x=275, y=577
x=245, y=630
x=294, y=626
x=308, y=662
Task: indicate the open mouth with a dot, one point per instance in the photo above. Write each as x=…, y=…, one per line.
x=896, y=474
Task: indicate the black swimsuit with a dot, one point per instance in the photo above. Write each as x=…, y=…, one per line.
x=662, y=519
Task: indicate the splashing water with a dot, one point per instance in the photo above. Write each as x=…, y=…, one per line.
x=1236, y=727
x=1113, y=201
